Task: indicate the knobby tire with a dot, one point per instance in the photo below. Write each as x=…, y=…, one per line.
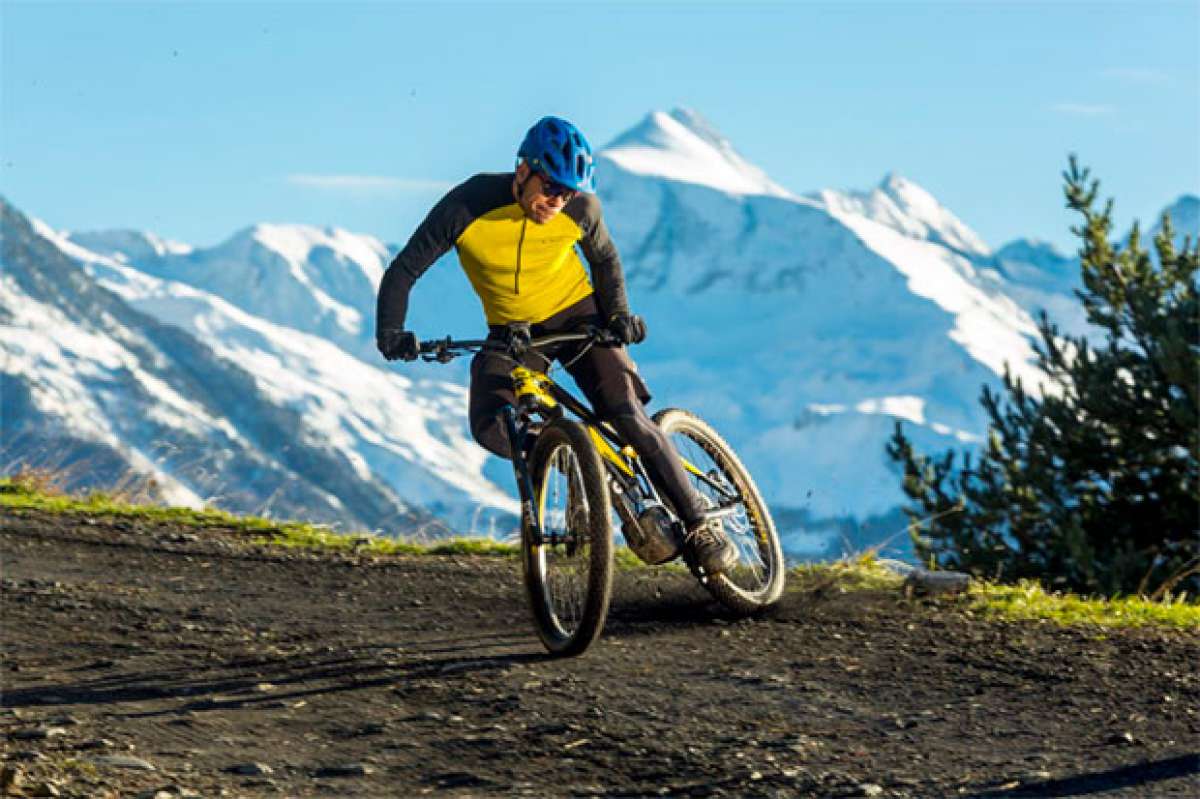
x=595, y=532
x=726, y=589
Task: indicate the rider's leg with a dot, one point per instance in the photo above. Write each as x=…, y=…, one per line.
x=609, y=378
x=491, y=390
x=660, y=459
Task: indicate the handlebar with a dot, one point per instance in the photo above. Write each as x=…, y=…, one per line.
x=444, y=350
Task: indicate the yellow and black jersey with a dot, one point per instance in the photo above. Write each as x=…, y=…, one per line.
x=522, y=271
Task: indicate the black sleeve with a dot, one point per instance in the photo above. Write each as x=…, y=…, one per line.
x=432, y=239
x=607, y=275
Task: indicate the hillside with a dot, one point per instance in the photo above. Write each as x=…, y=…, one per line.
x=148, y=658
x=113, y=376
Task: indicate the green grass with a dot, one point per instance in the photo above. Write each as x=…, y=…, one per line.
x=864, y=572
x=34, y=492
x=1026, y=601
x=21, y=493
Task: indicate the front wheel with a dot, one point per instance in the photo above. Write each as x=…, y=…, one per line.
x=568, y=573
x=715, y=471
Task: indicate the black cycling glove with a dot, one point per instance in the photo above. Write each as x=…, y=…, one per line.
x=518, y=339
x=397, y=343
x=628, y=328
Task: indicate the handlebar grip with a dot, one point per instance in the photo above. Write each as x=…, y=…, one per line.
x=433, y=345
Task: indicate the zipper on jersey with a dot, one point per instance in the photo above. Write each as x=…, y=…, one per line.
x=520, y=244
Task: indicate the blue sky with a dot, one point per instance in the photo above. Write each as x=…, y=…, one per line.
x=196, y=119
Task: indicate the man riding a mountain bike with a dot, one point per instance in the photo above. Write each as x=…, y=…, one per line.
x=516, y=235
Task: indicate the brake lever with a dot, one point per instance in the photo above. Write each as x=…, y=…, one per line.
x=602, y=335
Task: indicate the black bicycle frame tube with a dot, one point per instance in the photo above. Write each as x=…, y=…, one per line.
x=576, y=407
x=587, y=415
x=516, y=441
x=590, y=417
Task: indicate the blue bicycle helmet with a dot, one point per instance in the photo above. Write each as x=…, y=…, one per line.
x=558, y=148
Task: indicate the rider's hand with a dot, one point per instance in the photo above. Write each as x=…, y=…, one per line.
x=628, y=328
x=518, y=338
x=396, y=342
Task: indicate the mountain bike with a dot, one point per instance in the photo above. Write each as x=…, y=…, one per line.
x=570, y=474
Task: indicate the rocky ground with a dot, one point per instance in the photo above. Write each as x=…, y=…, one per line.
x=146, y=660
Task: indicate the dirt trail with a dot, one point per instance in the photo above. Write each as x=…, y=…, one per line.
x=234, y=670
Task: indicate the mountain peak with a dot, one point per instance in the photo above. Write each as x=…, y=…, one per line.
x=1185, y=217
x=131, y=246
x=908, y=208
x=682, y=145
x=700, y=126
x=297, y=244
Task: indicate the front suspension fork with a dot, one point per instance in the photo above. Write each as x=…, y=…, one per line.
x=516, y=446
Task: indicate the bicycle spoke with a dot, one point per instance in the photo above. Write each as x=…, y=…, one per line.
x=750, y=573
x=565, y=556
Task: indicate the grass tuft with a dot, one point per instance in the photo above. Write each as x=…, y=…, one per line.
x=1029, y=601
x=860, y=573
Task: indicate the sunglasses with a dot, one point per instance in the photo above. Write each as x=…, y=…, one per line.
x=553, y=189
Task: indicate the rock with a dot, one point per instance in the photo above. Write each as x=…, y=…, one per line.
x=156, y=793
x=42, y=789
x=1122, y=738
x=922, y=582
x=251, y=769
x=124, y=761
x=65, y=721
x=870, y=789
x=10, y=780
x=345, y=770
x=38, y=733
x=25, y=755
x=96, y=743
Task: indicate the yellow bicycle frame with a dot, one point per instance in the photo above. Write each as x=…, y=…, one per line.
x=533, y=384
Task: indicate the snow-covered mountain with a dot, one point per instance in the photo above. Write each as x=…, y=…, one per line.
x=1040, y=277
x=908, y=209
x=318, y=280
x=681, y=146
x=1185, y=220
x=359, y=438
x=802, y=326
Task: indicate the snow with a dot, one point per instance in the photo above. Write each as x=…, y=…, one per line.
x=75, y=369
x=321, y=280
x=902, y=205
x=411, y=435
x=990, y=326
x=909, y=408
x=127, y=245
x=682, y=146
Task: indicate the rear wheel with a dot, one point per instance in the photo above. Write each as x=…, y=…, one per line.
x=756, y=581
x=568, y=574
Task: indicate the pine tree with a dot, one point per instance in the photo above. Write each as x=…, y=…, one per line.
x=1093, y=482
